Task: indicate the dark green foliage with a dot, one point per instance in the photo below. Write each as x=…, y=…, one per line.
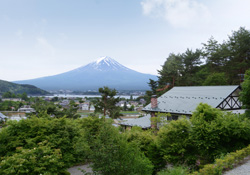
x=245, y=93
x=6, y=86
x=209, y=134
x=215, y=132
x=214, y=64
x=177, y=170
x=8, y=94
x=146, y=141
x=153, y=85
x=171, y=70
x=55, y=110
x=112, y=154
x=175, y=142
x=107, y=103
x=7, y=105
x=239, y=54
x=91, y=127
x=64, y=134
x=41, y=159
x=216, y=79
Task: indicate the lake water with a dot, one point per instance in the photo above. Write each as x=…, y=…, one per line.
x=88, y=96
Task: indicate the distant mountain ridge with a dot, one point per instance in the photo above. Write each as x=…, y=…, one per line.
x=6, y=86
x=103, y=72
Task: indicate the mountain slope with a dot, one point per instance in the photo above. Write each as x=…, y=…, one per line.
x=103, y=72
x=6, y=86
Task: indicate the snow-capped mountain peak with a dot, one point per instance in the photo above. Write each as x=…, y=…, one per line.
x=107, y=63
x=103, y=72
x=105, y=59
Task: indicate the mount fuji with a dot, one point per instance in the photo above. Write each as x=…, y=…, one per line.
x=103, y=72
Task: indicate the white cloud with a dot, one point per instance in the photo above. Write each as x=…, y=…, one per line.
x=209, y=16
x=45, y=46
x=179, y=13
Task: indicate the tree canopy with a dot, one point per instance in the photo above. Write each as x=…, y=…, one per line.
x=107, y=103
x=214, y=64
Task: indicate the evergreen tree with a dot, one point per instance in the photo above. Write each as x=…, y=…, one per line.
x=107, y=103
x=171, y=70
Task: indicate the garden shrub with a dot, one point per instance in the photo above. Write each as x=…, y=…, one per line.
x=228, y=162
x=146, y=141
x=64, y=134
x=177, y=170
x=215, y=132
x=112, y=154
x=41, y=159
x=175, y=143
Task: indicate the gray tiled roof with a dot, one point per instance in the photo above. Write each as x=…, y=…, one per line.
x=184, y=100
x=143, y=122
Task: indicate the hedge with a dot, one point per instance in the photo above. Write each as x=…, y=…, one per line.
x=228, y=162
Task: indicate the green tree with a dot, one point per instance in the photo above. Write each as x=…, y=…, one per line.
x=175, y=142
x=191, y=63
x=41, y=159
x=215, y=132
x=212, y=53
x=107, y=103
x=245, y=93
x=153, y=86
x=146, y=141
x=238, y=47
x=171, y=70
x=9, y=95
x=64, y=134
x=112, y=154
x=24, y=96
x=216, y=79
x=125, y=107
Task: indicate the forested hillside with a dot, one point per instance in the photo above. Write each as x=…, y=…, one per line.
x=6, y=86
x=213, y=64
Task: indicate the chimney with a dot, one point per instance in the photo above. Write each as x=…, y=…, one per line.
x=154, y=102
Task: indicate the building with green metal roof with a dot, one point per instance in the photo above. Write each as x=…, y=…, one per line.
x=184, y=100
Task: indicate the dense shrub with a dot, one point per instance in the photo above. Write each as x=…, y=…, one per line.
x=146, y=141
x=178, y=170
x=175, y=143
x=215, y=132
x=41, y=159
x=112, y=154
x=225, y=163
x=64, y=134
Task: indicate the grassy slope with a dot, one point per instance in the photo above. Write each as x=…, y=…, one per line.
x=6, y=86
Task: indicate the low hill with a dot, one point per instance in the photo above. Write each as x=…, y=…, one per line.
x=6, y=86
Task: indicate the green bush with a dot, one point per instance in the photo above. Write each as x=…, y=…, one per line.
x=112, y=154
x=178, y=170
x=175, y=143
x=38, y=160
x=228, y=162
x=215, y=132
x=64, y=134
x=146, y=141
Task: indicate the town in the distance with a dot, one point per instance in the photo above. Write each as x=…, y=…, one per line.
x=193, y=118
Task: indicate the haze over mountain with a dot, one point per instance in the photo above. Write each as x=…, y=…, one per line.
x=103, y=72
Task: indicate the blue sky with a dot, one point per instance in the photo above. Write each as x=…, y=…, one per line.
x=47, y=37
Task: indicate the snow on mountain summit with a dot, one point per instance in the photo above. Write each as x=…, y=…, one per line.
x=105, y=59
x=106, y=63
